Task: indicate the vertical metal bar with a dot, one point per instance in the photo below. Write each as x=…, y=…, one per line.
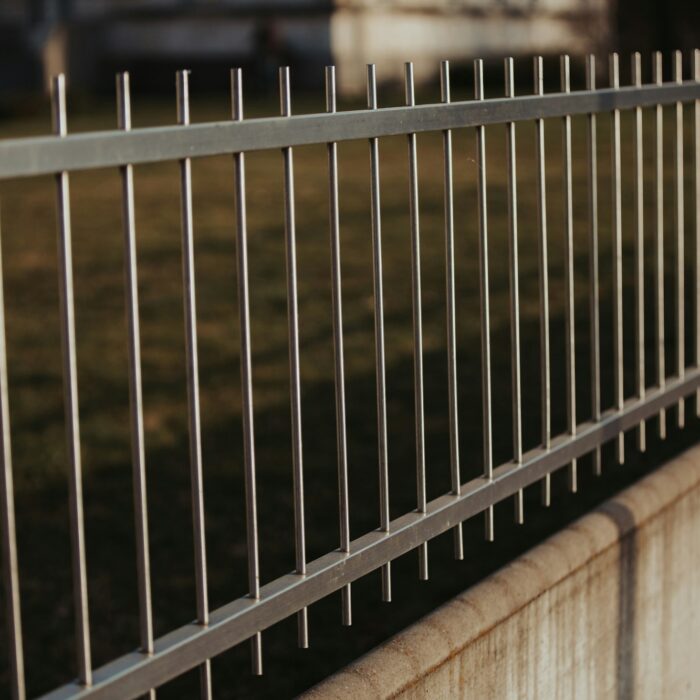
x=617, y=256
x=294, y=369
x=484, y=294
x=337, y=299
x=569, y=277
x=639, y=248
x=417, y=321
x=514, y=292
x=193, y=408
x=451, y=313
x=379, y=329
x=70, y=390
x=9, y=537
x=251, y=501
x=696, y=77
x=659, y=307
x=545, y=383
x=594, y=288
x=680, y=237
x=138, y=456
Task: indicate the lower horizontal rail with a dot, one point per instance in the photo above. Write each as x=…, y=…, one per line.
x=134, y=674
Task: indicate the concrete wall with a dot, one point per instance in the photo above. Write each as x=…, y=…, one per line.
x=608, y=608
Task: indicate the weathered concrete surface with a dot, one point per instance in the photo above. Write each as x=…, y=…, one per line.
x=608, y=608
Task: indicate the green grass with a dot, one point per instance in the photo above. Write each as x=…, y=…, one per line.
x=33, y=337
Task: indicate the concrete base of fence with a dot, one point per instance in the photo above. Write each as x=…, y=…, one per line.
x=607, y=608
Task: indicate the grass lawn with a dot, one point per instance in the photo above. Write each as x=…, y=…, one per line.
x=35, y=375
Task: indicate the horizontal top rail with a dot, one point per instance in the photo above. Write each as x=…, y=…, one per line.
x=102, y=149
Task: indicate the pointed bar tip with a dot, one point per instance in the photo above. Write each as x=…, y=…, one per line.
x=371, y=86
x=331, y=98
x=236, y=94
x=58, y=104
x=479, y=78
x=182, y=85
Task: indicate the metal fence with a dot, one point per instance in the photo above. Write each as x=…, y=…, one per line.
x=214, y=631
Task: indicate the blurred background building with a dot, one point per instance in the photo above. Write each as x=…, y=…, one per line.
x=90, y=39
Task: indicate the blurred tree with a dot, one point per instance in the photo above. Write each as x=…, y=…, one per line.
x=657, y=25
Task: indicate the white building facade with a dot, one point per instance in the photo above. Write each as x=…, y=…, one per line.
x=84, y=37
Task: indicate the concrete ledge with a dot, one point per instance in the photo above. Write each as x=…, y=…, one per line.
x=607, y=608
